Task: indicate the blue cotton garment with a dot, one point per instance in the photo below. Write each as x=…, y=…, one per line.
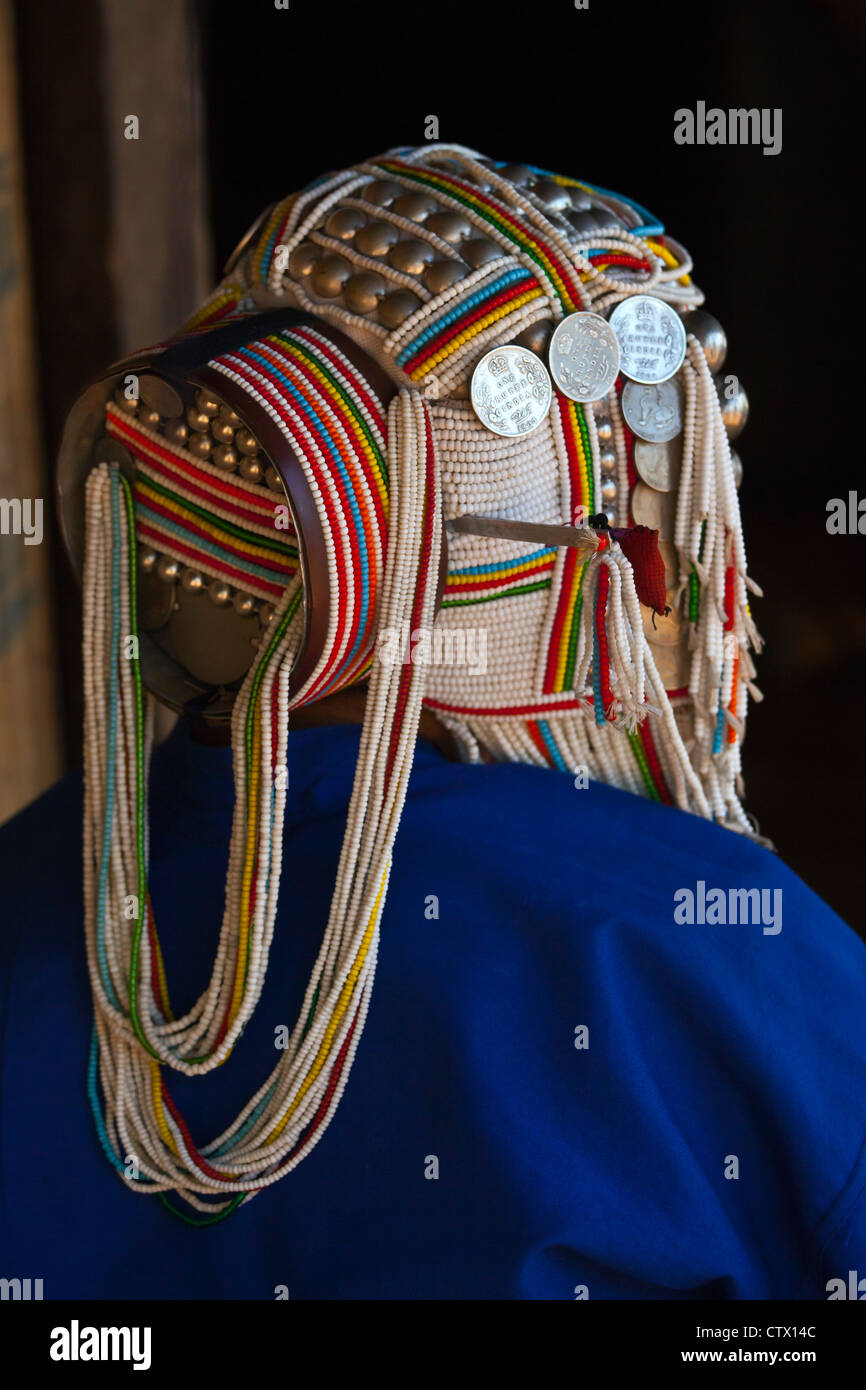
x=562, y=1090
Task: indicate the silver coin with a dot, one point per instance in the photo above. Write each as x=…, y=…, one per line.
x=653, y=411
x=658, y=465
x=156, y=392
x=511, y=391
x=584, y=357
x=658, y=510
x=652, y=339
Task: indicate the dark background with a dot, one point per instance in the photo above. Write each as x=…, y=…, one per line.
x=776, y=241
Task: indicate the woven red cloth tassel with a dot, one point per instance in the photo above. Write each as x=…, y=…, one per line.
x=640, y=546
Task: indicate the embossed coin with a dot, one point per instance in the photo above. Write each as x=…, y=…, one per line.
x=653, y=411
x=658, y=464
x=584, y=357
x=658, y=510
x=511, y=391
x=652, y=339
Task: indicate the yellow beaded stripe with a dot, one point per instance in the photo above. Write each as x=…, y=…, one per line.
x=227, y=298
x=467, y=334
x=265, y=240
x=345, y=995
x=668, y=257
x=513, y=569
x=142, y=490
x=586, y=494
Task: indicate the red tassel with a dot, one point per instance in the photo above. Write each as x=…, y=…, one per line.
x=640, y=546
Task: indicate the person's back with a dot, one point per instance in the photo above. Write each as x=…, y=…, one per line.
x=564, y=1089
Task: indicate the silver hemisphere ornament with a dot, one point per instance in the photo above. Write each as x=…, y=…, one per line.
x=511, y=391
x=653, y=412
x=584, y=357
x=652, y=339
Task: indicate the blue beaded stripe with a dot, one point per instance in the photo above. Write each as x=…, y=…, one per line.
x=96, y=1105
x=227, y=557
x=243, y=1131
x=265, y=263
x=596, y=679
x=510, y=277
x=544, y=729
x=720, y=729
x=506, y=564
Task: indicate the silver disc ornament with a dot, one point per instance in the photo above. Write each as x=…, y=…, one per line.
x=653, y=411
x=652, y=339
x=511, y=391
x=658, y=464
x=584, y=357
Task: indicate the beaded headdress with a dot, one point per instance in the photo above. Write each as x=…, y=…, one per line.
x=295, y=495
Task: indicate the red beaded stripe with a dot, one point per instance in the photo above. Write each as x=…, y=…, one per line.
x=601, y=637
x=535, y=735
x=277, y=354
x=567, y=702
x=729, y=599
x=576, y=499
x=283, y=567
x=460, y=325
x=325, y=480
x=470, y=585
x=653, y=762
x=347, y=369
x=202, y=484
x=241, y=578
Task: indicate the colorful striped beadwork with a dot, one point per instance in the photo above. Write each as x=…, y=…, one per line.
x=570, y=678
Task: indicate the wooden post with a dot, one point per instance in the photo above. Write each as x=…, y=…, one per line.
x=29, y=732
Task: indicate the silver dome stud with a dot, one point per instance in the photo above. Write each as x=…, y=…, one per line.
x=244, y=604
x=377, y=238
x=735, y=409
x=395, y=308
x=219, y=592
x=192, y=581
x=710, y=335
x=168, y=569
